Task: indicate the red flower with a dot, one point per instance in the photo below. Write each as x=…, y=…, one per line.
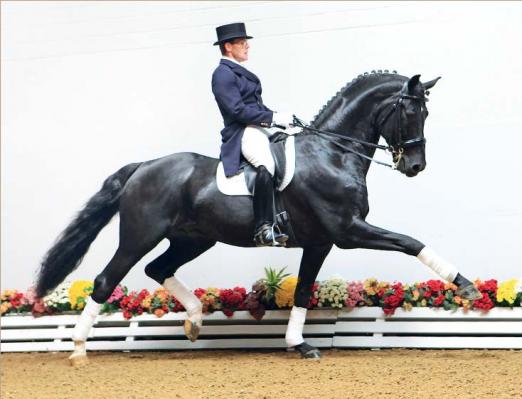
x=489, y=285
x=232, y=299
x=435, y=285
x=39, y=307
x=127, y=314
x=143, y=294
x=439, y=300
x=484, y=304
x=393, y=300
x=388, y=311
x=313, y=300
x=178, y=307
x=228, y=312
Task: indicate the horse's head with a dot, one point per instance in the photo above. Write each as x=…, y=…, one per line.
x=402, y=125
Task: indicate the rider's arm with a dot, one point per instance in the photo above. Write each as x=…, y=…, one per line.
x=228, y=96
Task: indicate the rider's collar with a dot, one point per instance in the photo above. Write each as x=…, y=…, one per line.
x=230, y=59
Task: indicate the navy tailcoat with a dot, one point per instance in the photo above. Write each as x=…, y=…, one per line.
x=238, y=94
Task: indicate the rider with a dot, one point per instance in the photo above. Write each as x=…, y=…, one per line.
x=247, y=126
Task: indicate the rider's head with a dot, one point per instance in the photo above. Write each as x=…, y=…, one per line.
x=236, y=49
x=233, y=41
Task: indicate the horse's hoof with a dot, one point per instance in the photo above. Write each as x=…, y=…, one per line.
x=77, y=360
x=191, y=330
x=469, y=292
x=306, y=351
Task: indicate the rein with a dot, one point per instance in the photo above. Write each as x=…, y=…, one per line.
x=395, y=149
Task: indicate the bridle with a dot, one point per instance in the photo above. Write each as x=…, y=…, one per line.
x=397, y=146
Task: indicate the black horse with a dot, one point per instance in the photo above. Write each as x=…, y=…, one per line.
x=176, y=197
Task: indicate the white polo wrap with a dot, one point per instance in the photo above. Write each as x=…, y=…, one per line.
x=182, y=292
x=87, y=318
x=439, y=265
x=294, y=331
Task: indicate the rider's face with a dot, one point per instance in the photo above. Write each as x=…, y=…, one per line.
x=238, y=49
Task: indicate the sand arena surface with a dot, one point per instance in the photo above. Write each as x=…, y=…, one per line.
x=266, y=374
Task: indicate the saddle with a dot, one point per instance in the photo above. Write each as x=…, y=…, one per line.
x=243, y=183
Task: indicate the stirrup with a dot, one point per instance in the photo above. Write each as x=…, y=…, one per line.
x=270, y=236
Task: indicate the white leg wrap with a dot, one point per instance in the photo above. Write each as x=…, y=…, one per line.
x=183, y=294
x=439, y=265
x=87, y=318
x=294, y=331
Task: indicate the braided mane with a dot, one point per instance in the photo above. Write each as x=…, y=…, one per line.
x=363, y=78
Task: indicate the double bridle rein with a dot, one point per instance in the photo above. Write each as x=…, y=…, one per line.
x=398, y=144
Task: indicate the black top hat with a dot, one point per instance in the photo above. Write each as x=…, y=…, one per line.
x=231, y=31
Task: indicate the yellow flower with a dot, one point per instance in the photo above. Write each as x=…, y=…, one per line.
x=7, y=294
x=4, y=307
x=162, y=294
x=370, y=286
x=506, y=291
x=78, y=292
x=147, y=301
x=407, y=306
x=284, y=295
x=450, y=286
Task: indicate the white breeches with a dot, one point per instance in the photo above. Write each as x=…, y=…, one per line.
x=255, y=147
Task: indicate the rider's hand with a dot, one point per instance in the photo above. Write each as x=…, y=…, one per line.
x=284, y=119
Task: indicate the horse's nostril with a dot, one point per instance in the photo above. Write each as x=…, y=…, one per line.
x=416, y=168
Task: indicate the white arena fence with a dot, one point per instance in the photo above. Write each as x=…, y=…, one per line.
x=500, y=328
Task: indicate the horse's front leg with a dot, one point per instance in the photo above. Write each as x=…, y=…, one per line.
x=364, y=235
x=311, y=262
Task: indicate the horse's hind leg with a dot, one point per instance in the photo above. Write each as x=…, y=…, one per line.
x=311, y=262
x=132, y=248
x=163, y=268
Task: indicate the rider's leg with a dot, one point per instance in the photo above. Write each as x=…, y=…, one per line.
x=255, y=147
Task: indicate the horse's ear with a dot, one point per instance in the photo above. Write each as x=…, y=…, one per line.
x=414, y=81
x=431, y=83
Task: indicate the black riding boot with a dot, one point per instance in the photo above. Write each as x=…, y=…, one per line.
x=265, y=234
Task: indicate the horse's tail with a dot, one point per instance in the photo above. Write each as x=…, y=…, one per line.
x=74, y=242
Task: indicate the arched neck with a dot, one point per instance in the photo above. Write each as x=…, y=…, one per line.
x=357, y=117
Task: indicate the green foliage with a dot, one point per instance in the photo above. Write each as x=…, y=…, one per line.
x=273, y=279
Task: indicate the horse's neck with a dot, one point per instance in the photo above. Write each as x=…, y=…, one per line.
x=355, y=122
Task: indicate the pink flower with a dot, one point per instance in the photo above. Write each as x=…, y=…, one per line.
x=39, y=307
x=30, y=295
x=116, y=295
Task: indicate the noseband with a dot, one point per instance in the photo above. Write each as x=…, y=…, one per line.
x=397, y=146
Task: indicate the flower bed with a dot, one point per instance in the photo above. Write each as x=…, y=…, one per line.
x=273, y=292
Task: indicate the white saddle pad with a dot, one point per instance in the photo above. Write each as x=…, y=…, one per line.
x=236, y=185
